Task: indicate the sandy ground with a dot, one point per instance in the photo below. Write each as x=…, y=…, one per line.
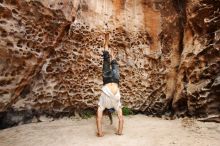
x=139, y=130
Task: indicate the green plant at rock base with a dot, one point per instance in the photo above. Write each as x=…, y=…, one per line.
x=127, y=111
x=85, y=114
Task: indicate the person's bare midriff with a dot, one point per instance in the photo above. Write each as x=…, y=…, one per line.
x=113, y=87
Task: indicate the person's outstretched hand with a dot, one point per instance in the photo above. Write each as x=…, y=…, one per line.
x=118, y=133
x=99, y=134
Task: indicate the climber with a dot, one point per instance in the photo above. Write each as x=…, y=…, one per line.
x=110, y=97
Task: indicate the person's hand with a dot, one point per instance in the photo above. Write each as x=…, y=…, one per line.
x=118, y=133
x=99, y=134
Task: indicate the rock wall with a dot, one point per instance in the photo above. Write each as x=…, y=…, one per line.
x=199, y=68
x=168, y=52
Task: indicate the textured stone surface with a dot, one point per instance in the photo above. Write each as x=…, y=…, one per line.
x=198, y=89
x=168, y=51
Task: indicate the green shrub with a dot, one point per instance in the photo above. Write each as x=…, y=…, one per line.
x=85, y=114
x=127, y=111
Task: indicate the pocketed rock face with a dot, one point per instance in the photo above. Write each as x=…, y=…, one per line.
x=29, y=34
x=168, y=52
x=199, y=70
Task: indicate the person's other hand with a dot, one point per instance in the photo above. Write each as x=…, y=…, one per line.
x=99, y=134
x=117, y=133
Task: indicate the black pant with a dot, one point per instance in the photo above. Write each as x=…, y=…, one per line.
x=110, y=71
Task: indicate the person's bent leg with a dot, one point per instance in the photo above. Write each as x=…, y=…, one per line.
x=99, y=122
x=106, y=69
x=120, y=122
x=106, y=62
x=115, y=71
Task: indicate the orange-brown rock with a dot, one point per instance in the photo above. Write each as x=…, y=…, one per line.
x=168, y=52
